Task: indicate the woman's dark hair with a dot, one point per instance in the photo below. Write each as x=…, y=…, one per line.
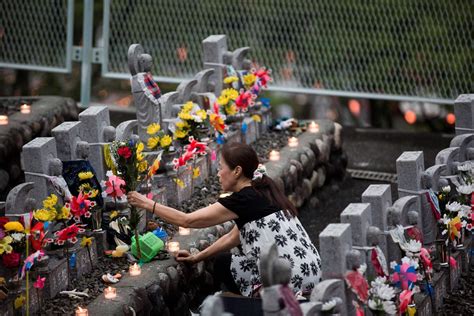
x=238, y=154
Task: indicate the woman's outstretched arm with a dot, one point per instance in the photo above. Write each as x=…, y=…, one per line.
x=225, y=243
x=208, y=216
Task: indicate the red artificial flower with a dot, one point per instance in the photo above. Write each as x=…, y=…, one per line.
x=68, y=233
x=39, y=283
x=244, y=100
x=80, y=206
x=124, y=152
x=264, y=76
x=3, y=221
x=11, y=260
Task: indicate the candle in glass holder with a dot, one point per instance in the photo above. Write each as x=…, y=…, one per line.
x=274, y=155
x=25, y=109
x=313, y=127
x=183, y=231
x=82, y=311
x=110, y=292
x=293, y=142
x=3, y=120
x=173, y=247
x=135, y=270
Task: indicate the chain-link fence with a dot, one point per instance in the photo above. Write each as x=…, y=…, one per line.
x=36, y=34
x=395, y=48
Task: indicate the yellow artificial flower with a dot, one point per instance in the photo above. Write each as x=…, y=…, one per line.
x=153, y=142
x=230, y=79
x=20, y=301
x=50, y=201
x=223, y=99
x=185, y=116
x=114, y=214
x=42, y=215
x=87, y=189
x=188, y=106
x=65, y=213
x=179, y=133
x=142, y=166
x=231, y=109
x=86, y=241
x=249, y=79
x=411, y=310
x=182, y=124
x=14, y=226
x=153, y=129
x=230, y=93
x=5, y=245
x=202, y=114
x=179, y=182
x=85, y=175
x=196, y=172
x=256, y=118
x=165, y=141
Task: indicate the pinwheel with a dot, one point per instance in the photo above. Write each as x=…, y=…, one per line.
x=404, y=275
x=30, y=260
x=80, y=206
x=114, y=186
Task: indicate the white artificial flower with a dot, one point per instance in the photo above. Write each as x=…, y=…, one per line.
x=454, y=206
x=465, y=211
x=329, y=305
x=385, y=292
x=393, y=264
x=465, y=189
x=389, y=307
x=378, y=281
x=17, y=236
x=413, y=246
x=373, y=305
x=446, y=189
x=410, y=261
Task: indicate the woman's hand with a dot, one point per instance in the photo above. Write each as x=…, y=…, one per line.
x=186, y=256
x=139, y=200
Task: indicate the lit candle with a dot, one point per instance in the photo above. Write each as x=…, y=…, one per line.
x=135, y=270
x=82, y=311
x=3, y=120
x=274, y=155
x=293, y=142
x=173, y=247
x=25, y=109
x=110, y=292
x=313, y=127
x=183, y=231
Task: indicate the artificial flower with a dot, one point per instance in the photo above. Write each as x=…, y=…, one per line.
x=223, y=100
x=124, y=152
x=180, y=133
x=17, y=237
x=455, y=227
x=85, y=175
x=166, y=141
x=153, y=142
x=154, y=167
x=446, y=189
x=39, y=283
x=230, y=93
x=217, y=122
x=142, y=166
x=86, y=188
x=153, y=128
x=256, y=118
x=185, y=115
x=202, y=114
x=196, y=173
x=44, y=215
x=19, y=301
x=80, y=206
x=114, y=186
x=11, y=260
x=68, y=233
x=188, y=106
x=230, y=79
x=249, y=79
x=244, y=100
x=179, y=182
x=64, y=214
x=231, y=109
x=113, y=214
x=263, y=75
x=465, y=189
x=454, y=206
x=86, y=241
x=14, y=226
x=50, y=202
x=5, y=245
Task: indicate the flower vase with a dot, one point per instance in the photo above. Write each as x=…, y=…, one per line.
x=166, y=163
x=460, y=239
x=442, y=252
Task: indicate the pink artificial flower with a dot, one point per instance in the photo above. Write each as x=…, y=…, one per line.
x=80, y=206
x=39, y=283
x=114, y=186
x=263, y=75
x=405, y=299
x=244, y=100
x=68, y=233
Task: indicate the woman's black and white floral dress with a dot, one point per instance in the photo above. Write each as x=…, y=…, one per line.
x=286, y=232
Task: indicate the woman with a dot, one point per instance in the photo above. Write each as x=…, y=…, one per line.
x=263, y=216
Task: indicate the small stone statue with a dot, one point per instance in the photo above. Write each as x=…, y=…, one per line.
x=146, y=93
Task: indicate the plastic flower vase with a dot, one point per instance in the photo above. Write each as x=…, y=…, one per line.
x=150, y=245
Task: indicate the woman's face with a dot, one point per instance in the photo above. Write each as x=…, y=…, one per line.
x=225, y=175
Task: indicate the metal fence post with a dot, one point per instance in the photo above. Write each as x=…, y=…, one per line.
x=87, y=29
